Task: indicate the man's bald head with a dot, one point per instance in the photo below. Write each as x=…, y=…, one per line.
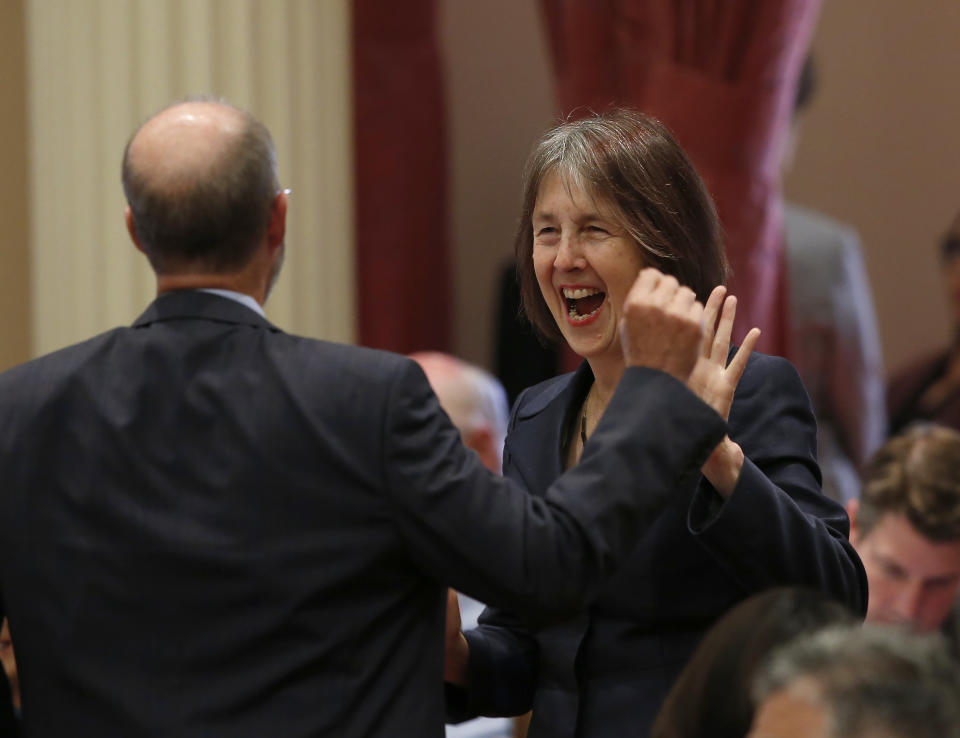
x=475, y=401
x=200, y=179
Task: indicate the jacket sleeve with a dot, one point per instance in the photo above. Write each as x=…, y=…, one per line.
x=8, y=718
x=502, y=671
x=504, y=654
x=545, y=557
x=8, y=724
x=777, y=527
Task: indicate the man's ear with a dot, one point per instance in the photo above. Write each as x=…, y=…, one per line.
x=277, y=228
x=131, y=229
x=853, y=508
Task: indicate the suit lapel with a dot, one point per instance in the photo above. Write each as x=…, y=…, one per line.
x=537, y=444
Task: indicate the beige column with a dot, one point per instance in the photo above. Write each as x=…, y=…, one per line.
x=97, y=68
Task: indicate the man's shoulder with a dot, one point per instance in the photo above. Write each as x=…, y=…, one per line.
x=59, y=361
x=311, y=358
x=536, y=398
x=357, y=361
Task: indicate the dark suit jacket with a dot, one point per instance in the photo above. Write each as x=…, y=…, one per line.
x=8, y=720
x=209, y=527
x=605, y=672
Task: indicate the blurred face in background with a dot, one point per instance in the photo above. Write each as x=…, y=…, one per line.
x=912, y=580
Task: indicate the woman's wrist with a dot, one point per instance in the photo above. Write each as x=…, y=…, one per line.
x=722, y=468
x=457, y=658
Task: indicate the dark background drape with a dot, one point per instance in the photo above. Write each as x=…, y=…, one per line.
x=404, y=280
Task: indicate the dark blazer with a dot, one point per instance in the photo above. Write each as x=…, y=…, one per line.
x=605, y=672
x=8, y=719
x=209, y=527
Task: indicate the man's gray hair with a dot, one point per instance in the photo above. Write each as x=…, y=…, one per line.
x=872, y=680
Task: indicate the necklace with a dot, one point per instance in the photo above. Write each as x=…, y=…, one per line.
x=583, y=417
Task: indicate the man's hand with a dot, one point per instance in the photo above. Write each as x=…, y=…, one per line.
x=457, y=650
x=661, y=325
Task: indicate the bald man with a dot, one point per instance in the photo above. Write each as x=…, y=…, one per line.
x=209, y=527
x=475, y=401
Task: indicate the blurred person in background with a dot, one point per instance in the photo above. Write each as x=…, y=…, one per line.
x=906, y=528
x=834, y=338
x=473, y=399
x=858, y=682
x=929, y=388
x=712, y=695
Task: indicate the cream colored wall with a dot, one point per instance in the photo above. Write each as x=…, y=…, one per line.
x=98, y=67
x=881, y=148
x=14, y=220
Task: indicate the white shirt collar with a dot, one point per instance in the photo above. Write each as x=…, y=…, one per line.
x=237, y=297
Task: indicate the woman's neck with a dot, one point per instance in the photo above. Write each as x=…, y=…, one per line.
x=606, y=377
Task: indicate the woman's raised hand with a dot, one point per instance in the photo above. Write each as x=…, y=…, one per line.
x=714, y=380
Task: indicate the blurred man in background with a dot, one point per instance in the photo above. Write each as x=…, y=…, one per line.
x=928, y=387
x=474, y=400
x=834, y=338
x=906, y=528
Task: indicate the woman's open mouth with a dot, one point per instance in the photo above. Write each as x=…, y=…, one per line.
x=583, y=303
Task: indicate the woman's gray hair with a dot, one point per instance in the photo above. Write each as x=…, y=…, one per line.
x=631, y=162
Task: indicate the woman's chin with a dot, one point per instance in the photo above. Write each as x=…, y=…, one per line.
x=595, y=348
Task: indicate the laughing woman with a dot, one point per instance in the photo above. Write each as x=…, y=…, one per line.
x=604, y=198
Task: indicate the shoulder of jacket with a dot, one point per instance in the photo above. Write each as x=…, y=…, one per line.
x=535, y=399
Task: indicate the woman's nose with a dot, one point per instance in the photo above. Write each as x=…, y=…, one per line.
x=569, y=256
